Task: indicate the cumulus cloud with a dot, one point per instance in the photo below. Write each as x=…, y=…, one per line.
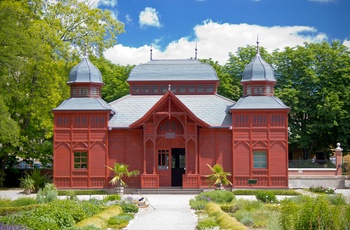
x=110, y=3
x=149, y=17
x=216, y=40
x=346, y=43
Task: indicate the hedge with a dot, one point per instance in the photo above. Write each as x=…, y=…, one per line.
x=100, y=220
x=225, y=221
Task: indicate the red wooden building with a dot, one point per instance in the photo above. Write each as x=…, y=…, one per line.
x=171, y=125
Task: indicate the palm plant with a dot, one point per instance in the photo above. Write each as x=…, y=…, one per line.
x=218, y=176
x=120, y=171
x=27, y=183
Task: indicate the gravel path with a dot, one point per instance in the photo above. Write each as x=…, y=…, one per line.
x=170, y=212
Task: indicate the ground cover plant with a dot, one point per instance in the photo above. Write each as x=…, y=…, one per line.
x=322, y=211
x=322, y=189
x=48, y=211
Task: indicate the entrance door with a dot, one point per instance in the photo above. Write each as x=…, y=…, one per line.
x=164, y=167
x=178, y=164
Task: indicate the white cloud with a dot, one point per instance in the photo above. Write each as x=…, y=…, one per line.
x=128, y=19
x=110, y=3
x=216, y=40
x=346, y=43
x=149, y=17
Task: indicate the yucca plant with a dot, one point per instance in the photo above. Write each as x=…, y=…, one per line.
x=218, y=177
x=120, y=171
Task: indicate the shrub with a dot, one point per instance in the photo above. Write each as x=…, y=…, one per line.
x=82, y=192
x=91, y=208
x=23, y=201
x=247, y=221
x=283, y=192
x=266, y=196
x=100, y=220
x=129, y=207
x=248, y=205
x=40, y=179
x=314, y=213
x=321, y=189
x=337, y=199
x=198, y=204
x=229, y=208
x=216, y=196
x=47, y=194
x=207, y=223
x=223, y=219
x=5, y=202
x=71, y=195
x=120, y=221
x=112, y=197
x=11, y=227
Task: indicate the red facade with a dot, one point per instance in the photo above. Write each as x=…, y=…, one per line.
x=170, y=144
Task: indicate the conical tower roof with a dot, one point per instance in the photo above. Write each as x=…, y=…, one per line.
x=258, y=70
x=85, y=72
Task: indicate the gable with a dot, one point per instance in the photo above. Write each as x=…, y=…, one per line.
x=168, y=105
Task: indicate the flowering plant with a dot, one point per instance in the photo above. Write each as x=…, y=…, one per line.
x=321, y=189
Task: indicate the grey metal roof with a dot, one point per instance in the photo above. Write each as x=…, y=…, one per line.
x=85, y=71
x=173, y=70
x=76, y=104
x=212, y=109
x=259, y=102
x=257, y=70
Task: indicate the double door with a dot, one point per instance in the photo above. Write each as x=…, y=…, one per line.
x=171, y=166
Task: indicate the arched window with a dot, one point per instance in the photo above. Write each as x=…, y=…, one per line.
x=170, y=126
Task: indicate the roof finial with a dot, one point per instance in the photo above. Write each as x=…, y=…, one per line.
x=195, y=52
x=257, y=44
x=85, y=50
x=151, y=53
x=169, y=87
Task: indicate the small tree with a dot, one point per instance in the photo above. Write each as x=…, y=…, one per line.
x=120, y=171
x=218, y=177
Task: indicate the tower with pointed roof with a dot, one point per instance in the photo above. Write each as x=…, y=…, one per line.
x=80, y=131
x=260, y=129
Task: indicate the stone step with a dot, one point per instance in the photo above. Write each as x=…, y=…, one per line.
x=172, y=190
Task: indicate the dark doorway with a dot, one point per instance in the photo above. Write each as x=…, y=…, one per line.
x=178, y=164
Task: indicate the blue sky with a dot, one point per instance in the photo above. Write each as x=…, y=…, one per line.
x=173, y=27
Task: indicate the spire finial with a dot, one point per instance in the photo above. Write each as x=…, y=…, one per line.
x=85, y=50
x=257, y=44
x=151, y=53
x=195, y=52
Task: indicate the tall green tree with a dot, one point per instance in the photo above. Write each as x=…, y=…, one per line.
x=114, y=77
x=314, y=81
x=41, y=42
x=229, y=87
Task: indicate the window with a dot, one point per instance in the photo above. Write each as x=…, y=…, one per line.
x=80, y=160
x=249, y=90
x=95, y=92
x=163, y=159
x=259, y=159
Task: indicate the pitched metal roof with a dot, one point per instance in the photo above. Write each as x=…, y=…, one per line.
x=85, y=71
x=259, y=102
x=86, y=103
x=212, y=109
x=257, y=70
x=173, y=70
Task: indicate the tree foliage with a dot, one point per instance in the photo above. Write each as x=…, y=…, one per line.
x=40, y=42
x=313, y=80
